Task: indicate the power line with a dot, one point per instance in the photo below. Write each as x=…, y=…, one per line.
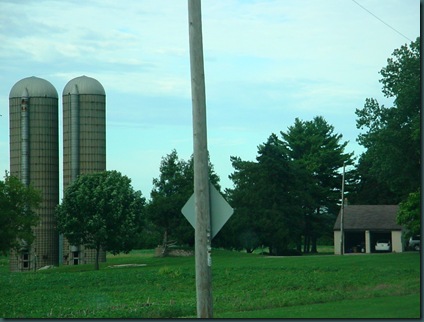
x=381, y=20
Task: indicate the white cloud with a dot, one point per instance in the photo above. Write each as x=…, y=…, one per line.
x=266, y=62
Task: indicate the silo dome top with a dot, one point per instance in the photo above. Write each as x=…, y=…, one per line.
x=85, y=85
x=34, y=87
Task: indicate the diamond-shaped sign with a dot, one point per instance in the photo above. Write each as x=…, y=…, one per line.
x=220, y=210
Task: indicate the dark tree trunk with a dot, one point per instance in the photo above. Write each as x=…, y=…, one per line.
x=96, y=264
x=307, y=232
x=306, y=244
x=299, y=244
x=314, y=237
x=165, y=243
x=314, y=245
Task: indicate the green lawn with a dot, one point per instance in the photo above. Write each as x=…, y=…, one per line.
x=406, y=306
x=244, y=285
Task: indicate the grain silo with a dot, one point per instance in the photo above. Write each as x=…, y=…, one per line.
x=34, y=158
x=84, y=145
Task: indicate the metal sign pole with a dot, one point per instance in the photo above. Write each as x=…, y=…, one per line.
x=201, y=177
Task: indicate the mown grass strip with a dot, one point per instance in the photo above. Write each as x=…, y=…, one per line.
x=387, y=307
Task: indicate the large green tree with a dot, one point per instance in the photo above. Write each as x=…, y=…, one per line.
x=242, y=230
x=292, y=190
x=101, y=211
x=265, y=201
x=368, y=190
x=319, y=155
x=170, y=192
x=391, y=135
x=17, y=213
x=280, y=221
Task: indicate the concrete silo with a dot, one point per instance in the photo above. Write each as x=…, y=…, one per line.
x=84, y=145
x=34, y=158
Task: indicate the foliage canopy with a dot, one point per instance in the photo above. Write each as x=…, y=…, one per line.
x=392, y=134
x=292, y=189
x=101, y=211
x=17, y=216
x=170, y=192
x=409, y=214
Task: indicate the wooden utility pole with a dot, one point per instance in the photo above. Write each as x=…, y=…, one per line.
x=200, y=153
x=342, y=214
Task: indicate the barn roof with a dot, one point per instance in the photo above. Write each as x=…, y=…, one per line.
x=369, y=217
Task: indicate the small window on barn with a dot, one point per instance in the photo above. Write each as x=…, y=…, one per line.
x=75, y=257
x=25, y=260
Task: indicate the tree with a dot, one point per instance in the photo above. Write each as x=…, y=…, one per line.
x=17, y=213
x=409, y=214
x=279, y=191
x=170, y=191
x=101, y=211
x=392, y=135
x=291, y=190
x=319, y=155
x=169, y=194
x=367, y=189
x=241, y=231
x=264, y=201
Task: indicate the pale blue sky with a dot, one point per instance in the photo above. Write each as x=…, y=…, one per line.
x=266, y=63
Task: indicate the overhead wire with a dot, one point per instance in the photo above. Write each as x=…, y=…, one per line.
x=381, y=20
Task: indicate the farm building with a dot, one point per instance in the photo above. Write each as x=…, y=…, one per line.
x=364, y=225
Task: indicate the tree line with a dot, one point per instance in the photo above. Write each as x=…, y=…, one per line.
x=289, y=196
x=285, y=200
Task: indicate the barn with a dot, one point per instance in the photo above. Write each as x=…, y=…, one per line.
x=364, y=225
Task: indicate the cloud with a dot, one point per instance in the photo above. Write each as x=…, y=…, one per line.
x=319, y=40
x=266, y=62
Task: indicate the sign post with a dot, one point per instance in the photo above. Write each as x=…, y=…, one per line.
x=342, y=241
x=201, y=172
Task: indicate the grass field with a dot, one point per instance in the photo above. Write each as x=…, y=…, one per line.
x=244, y=286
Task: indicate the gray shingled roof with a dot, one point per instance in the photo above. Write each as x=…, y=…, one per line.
x=369, y=217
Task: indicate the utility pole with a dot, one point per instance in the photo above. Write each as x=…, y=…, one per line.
x=201, y=171
x=342, y=214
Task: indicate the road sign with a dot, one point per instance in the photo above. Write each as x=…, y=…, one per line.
x=220, y=210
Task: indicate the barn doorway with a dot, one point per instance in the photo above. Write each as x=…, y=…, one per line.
x=379, y=235
x=354, y=242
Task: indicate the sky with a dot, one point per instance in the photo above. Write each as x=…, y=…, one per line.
x=266, y=63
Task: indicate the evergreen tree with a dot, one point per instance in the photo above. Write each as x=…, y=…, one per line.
x=280, y=220
x=241, y=231
x=317, y=151
x=264, y=198
x=169, y=194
